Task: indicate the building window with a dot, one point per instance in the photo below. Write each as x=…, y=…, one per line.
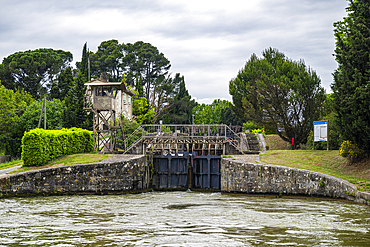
x=124, y=98
x=129, y=100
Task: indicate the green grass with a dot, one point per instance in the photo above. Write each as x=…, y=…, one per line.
x=328, y=162
x=11, y=164
x=73, y=159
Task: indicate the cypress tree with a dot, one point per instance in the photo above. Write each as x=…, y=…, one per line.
x=83, y=66
x=351, y=85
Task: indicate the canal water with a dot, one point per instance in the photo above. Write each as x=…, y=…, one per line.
x=181, y=219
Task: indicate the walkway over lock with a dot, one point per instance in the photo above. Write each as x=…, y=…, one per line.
x=203, y=139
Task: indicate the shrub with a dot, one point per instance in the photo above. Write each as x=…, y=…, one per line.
x=350, y=151
x=39, y=146
x=249, y=126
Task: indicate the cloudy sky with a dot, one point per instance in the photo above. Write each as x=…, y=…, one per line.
x=206, y=41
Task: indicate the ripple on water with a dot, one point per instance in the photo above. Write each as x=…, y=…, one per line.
x=181, y=218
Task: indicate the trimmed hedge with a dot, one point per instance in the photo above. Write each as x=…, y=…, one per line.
x=40, y=146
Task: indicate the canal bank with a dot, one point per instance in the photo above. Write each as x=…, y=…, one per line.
x=137, y=173
x=124, y=174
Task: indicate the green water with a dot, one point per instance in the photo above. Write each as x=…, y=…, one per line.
x=181, y=219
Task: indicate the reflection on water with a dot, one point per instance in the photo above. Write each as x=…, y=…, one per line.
x=181, y=219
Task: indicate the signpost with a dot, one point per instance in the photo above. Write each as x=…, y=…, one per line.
x=321, y=132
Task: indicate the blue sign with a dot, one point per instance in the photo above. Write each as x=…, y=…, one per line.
x=320, y=131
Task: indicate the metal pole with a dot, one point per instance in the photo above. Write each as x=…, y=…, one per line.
x=42, y=108
x=313, y=139
x=88, y=64
x=45, y=114
x=327, y=137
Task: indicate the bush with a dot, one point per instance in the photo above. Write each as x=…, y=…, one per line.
x=40, y=146
x=350, y=151
x=249, y=126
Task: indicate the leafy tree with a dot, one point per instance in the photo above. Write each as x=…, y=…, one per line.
x=142, y=111
x=351, y=85
x=34, y=70
x=61, y=86
x=180, y=109
x=5, y=77
x=328, y=105
x=213, y=113
x=229, y=117
x=107, y=59
x=164, y=93
x=30, y=117
x=143, y=62
x=280, y=94
x=12, y=105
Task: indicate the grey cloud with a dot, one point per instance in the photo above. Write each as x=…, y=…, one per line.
x=301, y=29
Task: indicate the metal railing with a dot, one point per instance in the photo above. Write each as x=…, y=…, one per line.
x=188, y=131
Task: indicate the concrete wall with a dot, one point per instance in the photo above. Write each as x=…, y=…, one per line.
x=242, y=177
x=128, y=175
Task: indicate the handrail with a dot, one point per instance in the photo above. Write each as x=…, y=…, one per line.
x=186, y=130
x=129, y=138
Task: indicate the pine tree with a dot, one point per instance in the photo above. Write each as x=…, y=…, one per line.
x=74, y=114
x=351, y=85
x=180, y=110
x=61, y=87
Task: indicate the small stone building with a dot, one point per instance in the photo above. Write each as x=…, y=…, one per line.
x=104, y=95
x=107, y=101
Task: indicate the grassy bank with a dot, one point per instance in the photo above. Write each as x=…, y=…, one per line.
x=73, y=159
x=328, y=162
x=11, y=164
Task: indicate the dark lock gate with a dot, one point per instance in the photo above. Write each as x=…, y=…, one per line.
x=184, y=170
x=170, y=171
x=206, y=172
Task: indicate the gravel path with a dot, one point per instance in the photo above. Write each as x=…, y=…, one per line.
x=3, y=171
x=253, y=158
x=121, y=157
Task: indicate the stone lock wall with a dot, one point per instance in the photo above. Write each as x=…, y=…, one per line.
x=242, y=177
x=104, y=177
x=133, y=174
